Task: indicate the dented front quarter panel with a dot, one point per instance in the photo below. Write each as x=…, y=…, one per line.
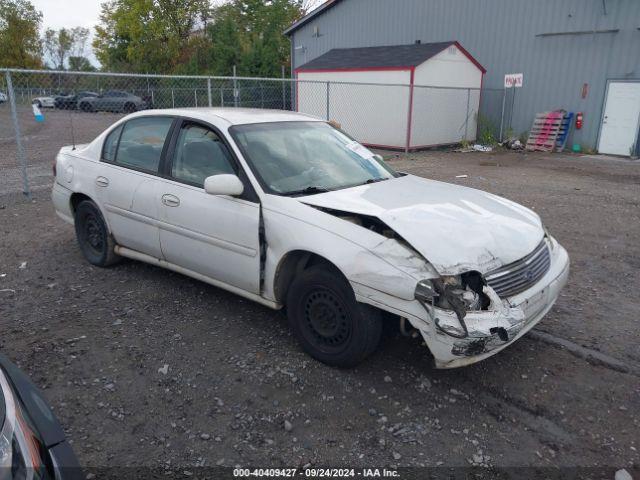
x=364, y=257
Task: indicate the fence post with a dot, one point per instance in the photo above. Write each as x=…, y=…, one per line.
x=235, y=88
x=261, y=95
x=409, y=115
x=284, y=94
x=328, y=100
x=195, y=96
x=209, y=91
x=504, y=100
x=466, y=118
x=22, y=158
x=222, y=96
x=173, y=99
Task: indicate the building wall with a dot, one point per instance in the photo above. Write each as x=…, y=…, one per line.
x=505, y=37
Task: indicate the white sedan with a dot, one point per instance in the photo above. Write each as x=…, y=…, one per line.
x=44, y=102
x=288, y=211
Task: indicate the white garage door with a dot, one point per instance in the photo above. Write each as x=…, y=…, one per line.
x=621, y=116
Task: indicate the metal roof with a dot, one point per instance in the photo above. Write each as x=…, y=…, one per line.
x=311, y=15
x=386, y=57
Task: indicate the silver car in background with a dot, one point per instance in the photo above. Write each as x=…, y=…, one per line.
x=113, y=101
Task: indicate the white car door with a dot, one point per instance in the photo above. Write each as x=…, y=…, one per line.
x=127, y=182
x=213, y=235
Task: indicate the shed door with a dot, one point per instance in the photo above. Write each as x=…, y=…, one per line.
x=621, y=116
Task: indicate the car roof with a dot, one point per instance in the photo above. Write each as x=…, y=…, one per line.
x=233, y=116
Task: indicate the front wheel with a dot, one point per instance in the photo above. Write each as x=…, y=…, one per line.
x=328, y=322
x=95, y=241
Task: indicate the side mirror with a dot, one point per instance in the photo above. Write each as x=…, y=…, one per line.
x=224, y=184
x=378, y=158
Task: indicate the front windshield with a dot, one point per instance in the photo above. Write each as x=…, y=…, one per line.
x=297, y=158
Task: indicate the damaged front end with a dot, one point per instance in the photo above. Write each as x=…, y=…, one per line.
x=471, y=321
x=460, y=306
x=465, y=310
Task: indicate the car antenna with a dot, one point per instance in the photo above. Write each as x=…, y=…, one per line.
x=73, y=135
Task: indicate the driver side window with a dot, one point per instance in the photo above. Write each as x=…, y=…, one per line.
x=200, y=154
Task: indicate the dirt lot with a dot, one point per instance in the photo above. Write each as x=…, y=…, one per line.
x=567, y=395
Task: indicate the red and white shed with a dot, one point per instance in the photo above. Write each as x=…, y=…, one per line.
x=418, y=95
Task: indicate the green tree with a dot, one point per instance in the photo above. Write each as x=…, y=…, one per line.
x=152, y=36
x=80, y=64
x=19, y=39
x=248, y=34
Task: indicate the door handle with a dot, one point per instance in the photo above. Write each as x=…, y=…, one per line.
x=102, y=182
x=170, y=200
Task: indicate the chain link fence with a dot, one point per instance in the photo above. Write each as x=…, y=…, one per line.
x=74, y=107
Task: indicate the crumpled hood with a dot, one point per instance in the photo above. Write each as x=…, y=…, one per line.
x=455, y=228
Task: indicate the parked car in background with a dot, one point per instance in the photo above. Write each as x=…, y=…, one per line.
x=288, y=211
x=70, y=102
x=113, y=101
x=44, y=102
x=32, y=442
x=3, y=97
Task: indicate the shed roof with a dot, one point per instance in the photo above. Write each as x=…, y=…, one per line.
x=386, y=57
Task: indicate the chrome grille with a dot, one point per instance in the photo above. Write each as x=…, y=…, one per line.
x=521, y=275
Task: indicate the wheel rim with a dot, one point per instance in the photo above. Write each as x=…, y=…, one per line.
x=93, y=236
x=326, y=324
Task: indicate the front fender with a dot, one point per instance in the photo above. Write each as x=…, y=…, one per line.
x=364, y=257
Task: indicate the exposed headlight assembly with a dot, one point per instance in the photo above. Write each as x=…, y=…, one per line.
x=550, y=240
x=20, y=455
x=460, y=294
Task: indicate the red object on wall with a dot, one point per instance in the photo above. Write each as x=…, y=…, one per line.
x=585, y=90
x=579, y=120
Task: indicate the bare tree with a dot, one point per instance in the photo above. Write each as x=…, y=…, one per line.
x=61, y=44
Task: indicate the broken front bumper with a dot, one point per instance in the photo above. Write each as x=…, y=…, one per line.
x=495, y=329
x=490, y=330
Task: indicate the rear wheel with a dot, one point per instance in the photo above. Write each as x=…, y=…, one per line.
x=95, y=241
x=129, y=108
x=328, y=322
x=86, y=107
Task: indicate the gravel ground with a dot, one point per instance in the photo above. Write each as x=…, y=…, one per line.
x=145, y=367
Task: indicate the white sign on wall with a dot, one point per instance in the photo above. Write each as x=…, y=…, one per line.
x=513, y=80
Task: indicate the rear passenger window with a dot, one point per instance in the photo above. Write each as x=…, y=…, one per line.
x=111, y=145
x=142, y=141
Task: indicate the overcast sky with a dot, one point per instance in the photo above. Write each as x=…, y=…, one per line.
x=68, y=13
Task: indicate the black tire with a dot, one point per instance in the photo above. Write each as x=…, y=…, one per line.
x=86, y=107
x=328, y=322
x=95, y=241
x=129, y=108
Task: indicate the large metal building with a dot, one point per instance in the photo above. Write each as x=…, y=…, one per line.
x=574, y=54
